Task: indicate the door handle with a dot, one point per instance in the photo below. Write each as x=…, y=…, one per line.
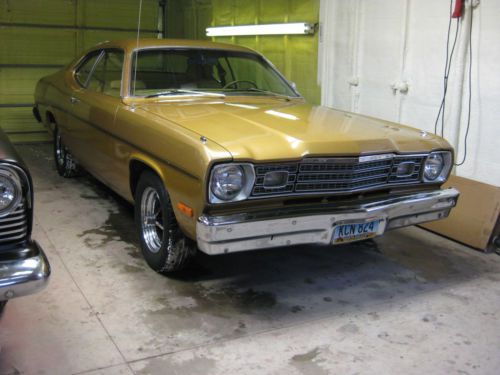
x=74, y=100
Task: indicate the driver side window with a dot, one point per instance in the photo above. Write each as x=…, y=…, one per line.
x=106, y=77
x=84, y=71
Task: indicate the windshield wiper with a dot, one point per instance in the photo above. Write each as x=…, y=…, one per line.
x=182, y=91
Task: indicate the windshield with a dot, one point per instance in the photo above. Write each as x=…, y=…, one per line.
x=180, y=71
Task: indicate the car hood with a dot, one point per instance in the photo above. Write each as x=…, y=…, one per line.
x=273, y=129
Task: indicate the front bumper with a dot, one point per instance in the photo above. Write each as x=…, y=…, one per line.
x=312, y=225
x=26, y=275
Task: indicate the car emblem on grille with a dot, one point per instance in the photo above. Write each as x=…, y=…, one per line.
x=364, y=159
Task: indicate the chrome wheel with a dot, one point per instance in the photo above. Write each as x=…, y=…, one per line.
x=65, y=164
x=152, y=219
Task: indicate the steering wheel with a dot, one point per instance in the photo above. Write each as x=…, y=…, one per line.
x=233, y=83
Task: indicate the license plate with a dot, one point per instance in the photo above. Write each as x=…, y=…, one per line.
x=355, y=231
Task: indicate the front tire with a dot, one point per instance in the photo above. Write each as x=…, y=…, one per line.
x=164, y=247
x=65, y=164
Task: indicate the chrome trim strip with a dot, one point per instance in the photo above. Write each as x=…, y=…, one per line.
x=15, y=217
x=21, y=222
x=17, y=238
x=307, y=225
x=13, y=231
x=342, y=180
x=352, y=171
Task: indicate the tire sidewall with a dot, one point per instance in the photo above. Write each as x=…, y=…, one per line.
x=61, y=168
x=68, y=168
x=158, y=260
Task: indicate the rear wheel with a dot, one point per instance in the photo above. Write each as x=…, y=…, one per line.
x=163, y=245
x=65, y=164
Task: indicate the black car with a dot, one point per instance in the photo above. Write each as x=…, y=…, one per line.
x=24, y=268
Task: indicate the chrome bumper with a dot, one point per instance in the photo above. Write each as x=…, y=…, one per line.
x=19, y=277
x=292, y=226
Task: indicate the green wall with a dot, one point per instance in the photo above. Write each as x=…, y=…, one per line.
x=296, y=56
x=38, y=37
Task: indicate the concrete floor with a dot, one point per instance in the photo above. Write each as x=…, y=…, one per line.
x=408, y=302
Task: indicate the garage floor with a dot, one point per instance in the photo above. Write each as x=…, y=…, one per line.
x=409, y=302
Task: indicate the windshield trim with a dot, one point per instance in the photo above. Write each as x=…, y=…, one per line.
x=183, y=48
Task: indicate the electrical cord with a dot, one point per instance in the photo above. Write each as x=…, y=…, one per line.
x=445, y=80
x=447, y=68
x=448, y=75
x=470, y=91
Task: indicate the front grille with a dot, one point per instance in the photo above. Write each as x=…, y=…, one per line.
x=340, y=174
x=14, y=226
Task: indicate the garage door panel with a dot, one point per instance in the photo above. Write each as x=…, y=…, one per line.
x=41, y=12
x=203, y=18
x=17, y=85
x=224, y=14
x=273, y=11
x=36, y=46
x=14, y=120
x=106, y=14
x=38, y=37
x=188, y=19
x=245, y=12
x=304, y=11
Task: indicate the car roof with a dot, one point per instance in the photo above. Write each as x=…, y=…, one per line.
x=132, y=44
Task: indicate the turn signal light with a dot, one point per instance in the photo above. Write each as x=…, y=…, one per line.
x=186, y=210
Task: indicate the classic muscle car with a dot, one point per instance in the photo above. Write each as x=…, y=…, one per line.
x=24, y=268
x=218, y=151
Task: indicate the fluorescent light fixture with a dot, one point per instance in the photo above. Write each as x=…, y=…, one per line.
x=271, y=29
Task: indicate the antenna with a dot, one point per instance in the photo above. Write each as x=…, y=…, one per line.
x=137, y=47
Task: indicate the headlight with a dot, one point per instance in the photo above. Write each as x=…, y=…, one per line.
x=10, y=191
x=231, y=182
x=437, y=166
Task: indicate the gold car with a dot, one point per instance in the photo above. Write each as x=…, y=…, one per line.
x=219, y=152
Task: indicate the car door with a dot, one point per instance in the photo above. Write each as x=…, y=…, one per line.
x=72, y=126
x=94, y=107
